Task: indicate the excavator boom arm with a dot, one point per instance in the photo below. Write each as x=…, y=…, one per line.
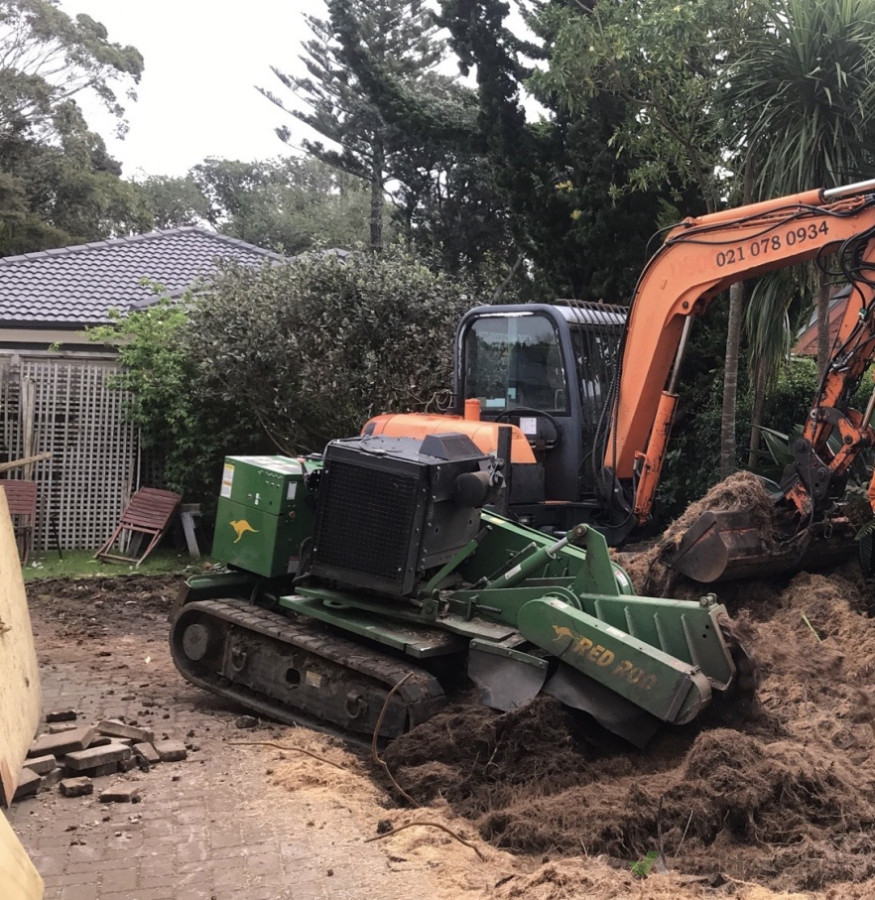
x=700, y=259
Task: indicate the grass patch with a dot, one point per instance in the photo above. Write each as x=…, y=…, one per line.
x=82, y=564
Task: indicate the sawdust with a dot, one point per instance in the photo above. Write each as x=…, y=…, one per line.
x=784, y=801
x=457, y=864
x=541, y=778
x=321, y=764
x=743, y=490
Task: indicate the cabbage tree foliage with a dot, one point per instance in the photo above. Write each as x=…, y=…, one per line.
x=805, y=85
x=808, y=84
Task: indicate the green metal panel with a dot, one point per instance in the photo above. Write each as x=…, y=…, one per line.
x=417, y=640
x=268, y=483
x=332, y=606
x=687, y=630
x=507, y=542
x=243, y=585
x=257, y=541
x=504, y=604
x=665, y=686
x=265, y=510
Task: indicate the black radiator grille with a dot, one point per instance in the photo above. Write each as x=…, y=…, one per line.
x=368, y=521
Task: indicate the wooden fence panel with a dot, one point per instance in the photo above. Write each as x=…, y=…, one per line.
x=79, y=419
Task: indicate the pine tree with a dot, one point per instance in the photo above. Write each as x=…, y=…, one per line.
x=400, y=37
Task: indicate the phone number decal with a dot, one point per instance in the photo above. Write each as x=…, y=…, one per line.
x=764, y=246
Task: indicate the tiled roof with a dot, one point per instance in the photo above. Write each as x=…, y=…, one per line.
x=76, y=286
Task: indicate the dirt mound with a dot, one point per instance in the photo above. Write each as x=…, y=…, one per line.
x=782, y=801
x=743, y=490
x=786, y=799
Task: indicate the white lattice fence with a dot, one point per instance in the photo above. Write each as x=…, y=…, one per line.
x=79, y=419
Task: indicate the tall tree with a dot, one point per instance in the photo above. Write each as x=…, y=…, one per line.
x=59, y=184
x=804, y=87
x=548, y=180
x=662, y=61
x=174, y=201
x=400, y=34
x=66, y=194
x=669, y=63
x=47, y=59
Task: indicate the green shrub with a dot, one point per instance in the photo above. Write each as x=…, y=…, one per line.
x=313, y=348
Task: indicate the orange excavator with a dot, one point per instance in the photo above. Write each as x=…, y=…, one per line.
x=579, y=397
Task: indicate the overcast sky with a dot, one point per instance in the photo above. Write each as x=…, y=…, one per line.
x=197, y=96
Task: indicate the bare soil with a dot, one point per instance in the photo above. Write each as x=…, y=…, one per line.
x=780, y=802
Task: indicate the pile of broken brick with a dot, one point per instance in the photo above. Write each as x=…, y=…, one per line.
x=70, y=756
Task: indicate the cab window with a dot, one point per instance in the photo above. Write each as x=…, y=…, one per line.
x=514, y=362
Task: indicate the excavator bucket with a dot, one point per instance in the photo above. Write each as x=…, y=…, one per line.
x=728, y=544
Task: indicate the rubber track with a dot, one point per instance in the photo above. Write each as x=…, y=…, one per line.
x=420, y=693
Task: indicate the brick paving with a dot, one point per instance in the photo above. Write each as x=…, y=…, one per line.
x=211, y=827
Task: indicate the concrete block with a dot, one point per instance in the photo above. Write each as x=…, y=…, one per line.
x=59, y=727
x=61, y=715
x=77, y=787
x=50, y=779
x=41, y=764
x=115, y=728
x=102, y=771
x=80, y=760
x=120, y=794
x=147, y=752
x=28, y=785
x=170, y=751
x=65, y=742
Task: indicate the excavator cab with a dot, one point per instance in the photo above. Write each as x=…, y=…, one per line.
x=546, y=369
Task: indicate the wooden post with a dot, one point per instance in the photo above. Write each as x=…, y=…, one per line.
x=19, y=673
x=28, y=411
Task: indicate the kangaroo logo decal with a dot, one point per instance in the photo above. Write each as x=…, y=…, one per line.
x=241, y=526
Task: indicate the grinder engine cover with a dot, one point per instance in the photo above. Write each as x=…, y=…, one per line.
x=389, y=509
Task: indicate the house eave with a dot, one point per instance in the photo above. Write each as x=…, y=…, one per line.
x=30, y=337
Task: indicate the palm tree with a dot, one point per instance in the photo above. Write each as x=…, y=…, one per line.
x=803, y=92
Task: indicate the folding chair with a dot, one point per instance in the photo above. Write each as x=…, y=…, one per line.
x=21, y=497
x=148, y=515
